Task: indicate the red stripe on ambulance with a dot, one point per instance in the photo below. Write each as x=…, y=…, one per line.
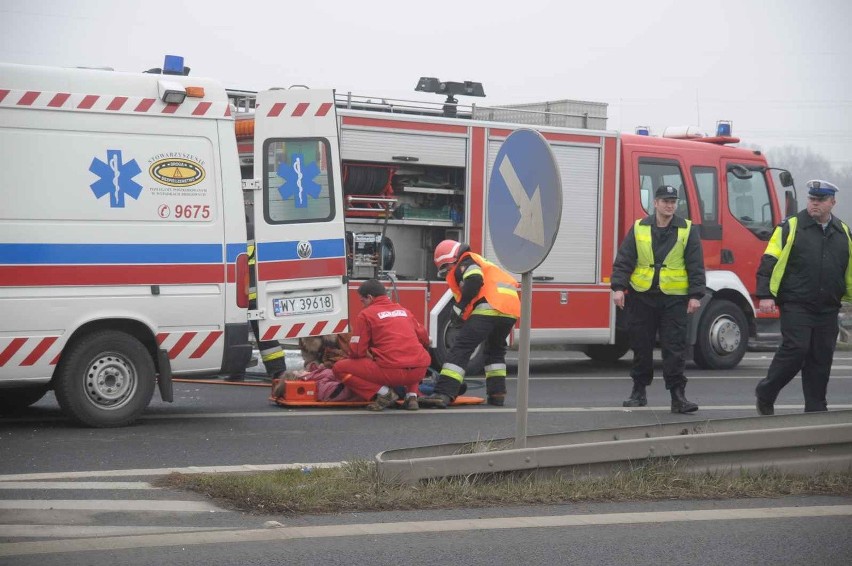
x=300, y=110
x=39, y=351
x=11, y=350
x=341, y=326
x=323, y=109
x=205, y=345
x=28, y=98
x=88, y=101
x=201, y=109
x=117, y=103
x=144, y=105
x=58, y=100
x=276, y=109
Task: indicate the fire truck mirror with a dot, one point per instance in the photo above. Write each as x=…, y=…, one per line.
x=786, y=179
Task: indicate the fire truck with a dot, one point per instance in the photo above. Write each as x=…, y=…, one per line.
x=414, y=174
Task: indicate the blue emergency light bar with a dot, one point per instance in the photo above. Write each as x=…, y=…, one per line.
x=723, y=128
x=643, y=131
x=173, y=65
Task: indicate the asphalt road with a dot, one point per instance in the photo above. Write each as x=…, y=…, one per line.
x=44, y=520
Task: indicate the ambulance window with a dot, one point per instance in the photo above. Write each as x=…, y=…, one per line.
x=655, y=172
x=707, y=182
x=748, y=200
x=297, y=186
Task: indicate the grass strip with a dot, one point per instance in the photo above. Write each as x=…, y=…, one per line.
x=357, y=487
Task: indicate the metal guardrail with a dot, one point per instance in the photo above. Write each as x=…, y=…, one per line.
x=801, y=443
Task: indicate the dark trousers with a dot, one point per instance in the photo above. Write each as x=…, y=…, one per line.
x=648, y=314
x=808, y=341
x=478, y=328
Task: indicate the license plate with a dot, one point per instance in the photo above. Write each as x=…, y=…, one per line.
x=303, y=305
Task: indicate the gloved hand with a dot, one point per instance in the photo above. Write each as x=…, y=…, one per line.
x=456, y=317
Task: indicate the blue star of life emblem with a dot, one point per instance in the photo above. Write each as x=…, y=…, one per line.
x=299, y=180
x=116, y=178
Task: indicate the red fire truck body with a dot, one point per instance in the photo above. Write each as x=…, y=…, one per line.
x=411, y=180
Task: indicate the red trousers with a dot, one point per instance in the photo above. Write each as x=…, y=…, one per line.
x=365, y=377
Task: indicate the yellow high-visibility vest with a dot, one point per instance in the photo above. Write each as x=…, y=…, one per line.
x=673, y=277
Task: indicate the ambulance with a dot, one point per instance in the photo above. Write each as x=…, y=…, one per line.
x=123, y=233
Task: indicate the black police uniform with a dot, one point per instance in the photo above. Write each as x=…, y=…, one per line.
x=651, y=311
x=809, y=300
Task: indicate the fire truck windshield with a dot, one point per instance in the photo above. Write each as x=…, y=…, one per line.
x=749, y=203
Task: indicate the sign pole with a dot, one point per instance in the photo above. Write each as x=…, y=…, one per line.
x=524, y=361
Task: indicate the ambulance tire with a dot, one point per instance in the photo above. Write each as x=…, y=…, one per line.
x=17, y=399
x=446, y=335
x=105, y=379
x=722, y=336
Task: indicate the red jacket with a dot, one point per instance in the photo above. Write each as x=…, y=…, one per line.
x=391, y=334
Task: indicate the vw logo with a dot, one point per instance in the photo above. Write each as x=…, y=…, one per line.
x=304, y=249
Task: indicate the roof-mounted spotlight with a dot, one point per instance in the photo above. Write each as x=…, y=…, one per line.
x=450, y=89
x=171, y=92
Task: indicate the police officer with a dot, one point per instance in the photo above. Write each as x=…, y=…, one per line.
x=805, y=272
x=487, y=307
x=661, y=262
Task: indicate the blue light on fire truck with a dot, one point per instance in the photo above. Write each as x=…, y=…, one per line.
x=723, y=128
x=643, y=131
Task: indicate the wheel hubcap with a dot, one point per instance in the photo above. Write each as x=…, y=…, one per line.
x=110, y=381
x=725, y=335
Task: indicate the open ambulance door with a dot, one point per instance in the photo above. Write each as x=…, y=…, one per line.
x=298, y=216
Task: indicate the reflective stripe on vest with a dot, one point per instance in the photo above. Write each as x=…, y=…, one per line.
x=674, y=279
x=780, y=250
x=499, y=289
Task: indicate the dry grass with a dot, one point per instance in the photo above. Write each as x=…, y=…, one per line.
x=357, y=487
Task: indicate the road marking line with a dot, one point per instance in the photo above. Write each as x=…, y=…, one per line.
x=77, y=485
x=415, y=527
x=627, y=378
x=109, y=505
x=56, y=531
x=162, y=471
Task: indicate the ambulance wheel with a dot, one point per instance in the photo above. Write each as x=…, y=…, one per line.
x=19, y=398
x=722, y=336
x=446, y=337
x=105, y=379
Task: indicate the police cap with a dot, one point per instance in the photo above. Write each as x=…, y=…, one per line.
x=666, y=191
x=819, y=188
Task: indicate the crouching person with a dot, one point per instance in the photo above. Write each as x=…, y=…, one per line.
x=387, y=350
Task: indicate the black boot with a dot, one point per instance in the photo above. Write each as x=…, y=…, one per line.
x=637, y=396
x=446, y=391
x=680, y=404
x=495, y=390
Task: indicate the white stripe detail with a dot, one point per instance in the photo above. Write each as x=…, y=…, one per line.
x=419, y=527
x=136, y=505
x=76, y=485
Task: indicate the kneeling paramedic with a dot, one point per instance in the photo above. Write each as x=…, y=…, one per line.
x=387, y=350
x=487, y=307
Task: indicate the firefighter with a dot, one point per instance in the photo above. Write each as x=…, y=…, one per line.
x=271, y=352
x=805, y=272
x=661, y=262
x=486, y=306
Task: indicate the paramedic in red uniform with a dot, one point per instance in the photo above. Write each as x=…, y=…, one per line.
x=662, y=263
x=387, y=350
x=487, y=304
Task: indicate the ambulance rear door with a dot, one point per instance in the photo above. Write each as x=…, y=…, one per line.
x=298, y=216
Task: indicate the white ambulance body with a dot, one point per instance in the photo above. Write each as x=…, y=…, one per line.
x=123, y=234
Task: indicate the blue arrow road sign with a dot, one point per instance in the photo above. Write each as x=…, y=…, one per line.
x=524, y=201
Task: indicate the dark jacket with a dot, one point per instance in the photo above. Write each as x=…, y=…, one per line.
x=662, y=242
x=815, y=275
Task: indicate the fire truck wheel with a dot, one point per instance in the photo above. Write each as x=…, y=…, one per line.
x=722, y=336
x=446, y=336
x=105, y=379
x=19, y=398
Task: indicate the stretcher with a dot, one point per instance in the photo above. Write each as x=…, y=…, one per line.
x=303, y=394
